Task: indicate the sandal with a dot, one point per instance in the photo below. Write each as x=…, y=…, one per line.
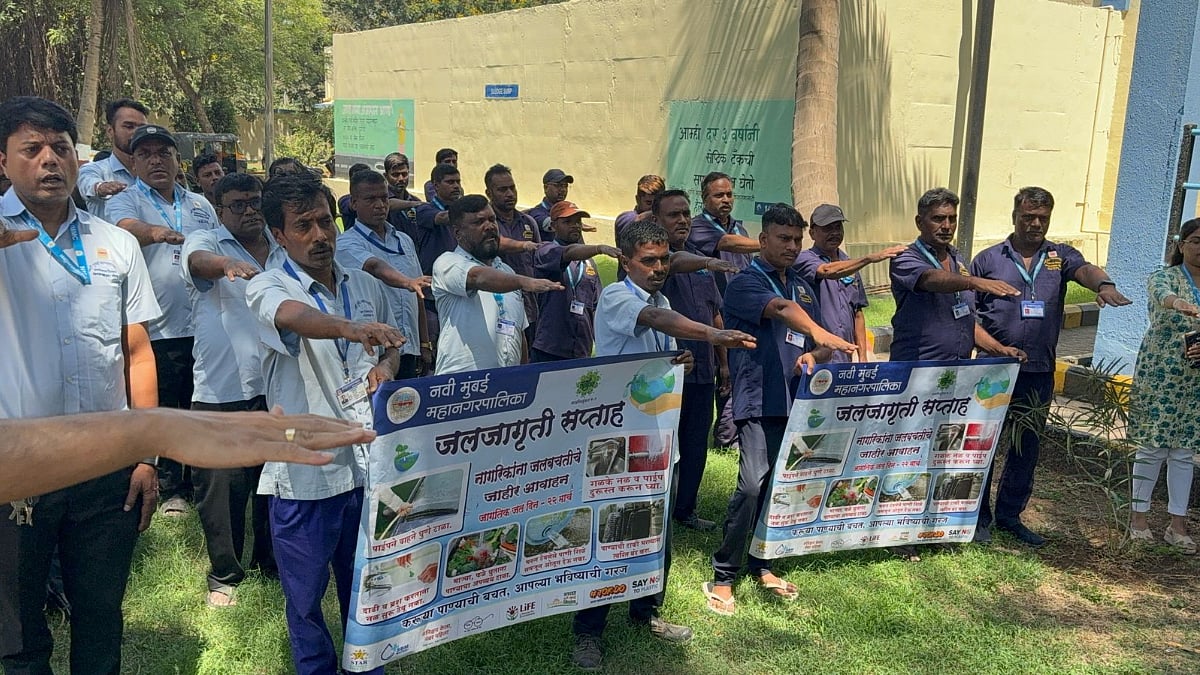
x=717, y=604
x=175, y=507
x=780, y=588
x=1181, y=542
x=1140, y=535
x=219, y=599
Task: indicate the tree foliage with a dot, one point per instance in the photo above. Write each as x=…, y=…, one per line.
x=354, y=15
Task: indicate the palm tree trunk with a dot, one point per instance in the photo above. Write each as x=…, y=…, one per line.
x=91, y=73
x=814, y=128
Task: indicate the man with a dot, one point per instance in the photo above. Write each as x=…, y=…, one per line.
x=5, y=183
x=160, y=214
x=372, y=245
x=647, y=188
x=402, y=204
x=207, y=170
x=443, y=156
x=636, y=318
x=478, y=296
x=328, y=345
x=228, y=372
x=343, y=203
x=101, y=179
x=566, y=330
x=835, y=277
x=717, y=234
x=935, y=294
x=770, y=301
x=1040, y=270
x=287, y=166
x=555, y=185
x=435, y=236
x=520, y=236
x=73, y=313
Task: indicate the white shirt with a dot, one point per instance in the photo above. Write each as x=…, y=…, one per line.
x=108, y=170
x=143, y=203
x=617, y=329
x=358, y=244
x=303, y=375
x=227, y=351
x=63, y=338
x=471, y=336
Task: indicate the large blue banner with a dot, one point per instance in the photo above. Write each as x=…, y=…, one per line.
x=500, y=496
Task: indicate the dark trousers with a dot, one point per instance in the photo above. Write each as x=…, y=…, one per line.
x=725, y=431
x=432, y=324
x=221, y=499
x=759, y=439
x=310, y=537
x=410, y=366
x=539, y=356
x=695, y=418
x=591, y=621
x=1030, y=401
x=173, y=361
x=95, y=537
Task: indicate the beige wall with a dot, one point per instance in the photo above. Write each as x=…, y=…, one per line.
x=596, y=77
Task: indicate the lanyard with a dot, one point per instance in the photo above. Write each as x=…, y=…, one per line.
x=77, y=267
x=150, y=194
x=732, y=223
x=501, y=311
x=757, y=264
x=580, y=267
x=366, y=235
x=925, y=251
x=438, y=203
x=343, y=346
x=1029, y=278
x=661, y=342
x=1192, y=283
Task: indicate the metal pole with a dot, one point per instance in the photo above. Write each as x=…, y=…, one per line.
x=981, y=56
x=269, y=102
x=1182, y=171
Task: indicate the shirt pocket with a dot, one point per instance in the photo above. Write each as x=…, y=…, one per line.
x=99, y=312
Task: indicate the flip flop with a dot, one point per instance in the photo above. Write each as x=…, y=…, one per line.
x=230, y=599
x=781, y=588
x=723, y=607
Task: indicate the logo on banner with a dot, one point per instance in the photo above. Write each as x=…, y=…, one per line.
x=652, y=389
x=947, y=379
x=992, y=389
x=815, y=418
x=820, y=382
x=475, y=623
x=358, y=657
x=522, y=610
x=587, y=383
x=403, y=404
x=405, y=458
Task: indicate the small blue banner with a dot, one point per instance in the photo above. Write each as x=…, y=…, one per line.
x=504, y=91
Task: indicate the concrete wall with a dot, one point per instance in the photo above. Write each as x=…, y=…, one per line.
x=597, y=76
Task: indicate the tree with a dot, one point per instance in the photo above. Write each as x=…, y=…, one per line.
x=86, y=119
x=355, y=15
x=814, y=128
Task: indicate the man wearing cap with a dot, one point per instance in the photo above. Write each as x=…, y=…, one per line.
x=1040, y=270
x=567, y=328
x=435, y=236
x=555, y=184
x=160, y=214
x=834, y=275
x=101, y=179
x=443, y=156
x=519, y=234
x=647, y=188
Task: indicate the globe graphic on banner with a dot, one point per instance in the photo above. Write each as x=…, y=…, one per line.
x=652, y=389
x=992, y=389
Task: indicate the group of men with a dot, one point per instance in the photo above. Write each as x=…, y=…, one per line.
x=249, y=296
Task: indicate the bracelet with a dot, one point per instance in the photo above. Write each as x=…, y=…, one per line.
x=1106, y=282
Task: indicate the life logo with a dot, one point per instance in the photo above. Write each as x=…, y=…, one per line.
x=524, y=609
x=476, y=623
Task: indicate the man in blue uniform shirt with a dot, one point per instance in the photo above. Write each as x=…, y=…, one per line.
x=555, y=185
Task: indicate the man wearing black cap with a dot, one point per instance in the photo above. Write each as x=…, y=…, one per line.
x=556, y=183
x=160, y=213
x=836, y=279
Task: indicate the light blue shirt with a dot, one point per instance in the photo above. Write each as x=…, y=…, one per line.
x=303, y=375
x=227, y=350
x=63, y=338
x=140, y=202
x=469, y=335
x=617, y=329
x=108, y=170
x=359, y=244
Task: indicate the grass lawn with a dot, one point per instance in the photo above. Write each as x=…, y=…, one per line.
x=1073, y=607
x=881, y=308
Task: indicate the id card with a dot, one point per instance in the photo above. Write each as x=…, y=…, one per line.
x=795, y=338
x=506, y=327
x=1033, y=309
x=961, y=309
x=352, y=392
x=577, y=307
x=177, y=256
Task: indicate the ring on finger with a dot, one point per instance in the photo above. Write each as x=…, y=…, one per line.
x=290, y=434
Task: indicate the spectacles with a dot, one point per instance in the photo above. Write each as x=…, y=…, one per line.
x=239, y=206
x=164, y=154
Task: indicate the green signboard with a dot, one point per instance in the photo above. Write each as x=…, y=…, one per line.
x=367, y=130
x=749, y=140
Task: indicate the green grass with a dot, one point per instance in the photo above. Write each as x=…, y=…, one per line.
x=881, y=308
x=970, y=610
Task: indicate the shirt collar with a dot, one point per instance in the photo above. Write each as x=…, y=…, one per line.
x=656, y=299
x=311, y=284
x=389, y=231
x=463, y=252
x=117, y=167
x=12, y=207
x=178, y=193
x=1007, y=246
x=223, y=234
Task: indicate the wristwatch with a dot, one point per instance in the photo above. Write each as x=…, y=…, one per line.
x=427, y=345
x=1106, y=282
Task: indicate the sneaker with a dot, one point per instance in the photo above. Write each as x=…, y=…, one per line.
x=1023, y=534
x=695, y=522
x=1181, y=542
x=669, y=632
x=983, y=535
x=587, y=655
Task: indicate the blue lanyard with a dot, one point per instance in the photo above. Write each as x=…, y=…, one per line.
x=1029, y=278
x=544, y=205
x=937, y=265
x=732, y=224
x=574, y=279
x=77, y=267
x=1192, y=283
x=757, y=264
x=151, y=194
x=438, y=203
x=366, y=235
x=343, y=346
x=661, y=342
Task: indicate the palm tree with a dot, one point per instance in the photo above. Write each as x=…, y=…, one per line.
x=86, y=119
x=814, y=127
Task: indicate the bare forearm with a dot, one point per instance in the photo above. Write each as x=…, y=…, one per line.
x=142, y=378
x=307, y=322
x=941, y=281
x=793, y=316
x=401, y=204
x=985, y=341
x=207, y=265
x=861, y=337
x=510, y=246
x=422, y=324
x=721, y=353
x=576, y=252
x=1090, y=277
x=142, y=231
x=736, y=243
x=841, y=268
x=386, y=273
x=492, y=280
x=684, y=262
x=674, y=324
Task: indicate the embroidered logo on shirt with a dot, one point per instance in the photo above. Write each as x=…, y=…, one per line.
x=101, y=254
x=1053, y=263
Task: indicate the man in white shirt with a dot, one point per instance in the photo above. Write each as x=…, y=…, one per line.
x=328, y=346
x=228, y=372
x=479, y=297
x=100, y=180
x=73, y=313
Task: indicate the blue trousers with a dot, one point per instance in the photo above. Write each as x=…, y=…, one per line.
x=1031, y=395
x=310, y=536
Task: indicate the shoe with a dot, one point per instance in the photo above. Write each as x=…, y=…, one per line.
x=225, y=597
x=1140, y=535
x=1023, y=534
x=695, y=522
x=1181, y=542
x=587, y=655
x=669, y=632
x=175, y=507
x=983, y=535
